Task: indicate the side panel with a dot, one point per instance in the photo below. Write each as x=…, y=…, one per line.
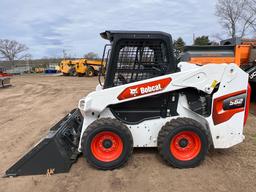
x=226, y=106
x=226, y=125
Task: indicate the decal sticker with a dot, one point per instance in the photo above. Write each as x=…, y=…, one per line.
x=234, y=102
x=226, y=106
x=145, y=88
x=214, y=83
x=134, y=92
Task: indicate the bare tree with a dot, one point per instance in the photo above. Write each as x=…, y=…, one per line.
x=236, y=16
x=253, y=10
x=12, y=50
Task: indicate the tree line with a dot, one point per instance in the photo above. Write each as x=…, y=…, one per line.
x=237, y=19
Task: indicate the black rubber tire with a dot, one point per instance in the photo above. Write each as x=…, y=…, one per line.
x=90, y=71
x=170, y=129
x=107, y=124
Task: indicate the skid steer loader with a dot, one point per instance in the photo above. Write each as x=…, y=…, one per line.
x=146, y=100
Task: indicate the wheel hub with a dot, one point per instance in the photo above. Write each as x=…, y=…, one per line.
x=107, y=143
x=183, y=143
x=107, y=146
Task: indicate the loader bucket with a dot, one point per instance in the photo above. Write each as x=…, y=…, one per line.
x=56, y=152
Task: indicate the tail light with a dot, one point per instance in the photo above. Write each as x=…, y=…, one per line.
x=247, y=107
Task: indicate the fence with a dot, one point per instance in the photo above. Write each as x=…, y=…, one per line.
x=24, y=67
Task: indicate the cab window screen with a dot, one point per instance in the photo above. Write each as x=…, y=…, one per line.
x=139, y=60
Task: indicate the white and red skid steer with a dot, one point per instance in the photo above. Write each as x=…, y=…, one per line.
x=147, y=100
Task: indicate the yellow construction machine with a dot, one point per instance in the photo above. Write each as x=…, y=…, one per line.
x=68, y=67
x=87, y=67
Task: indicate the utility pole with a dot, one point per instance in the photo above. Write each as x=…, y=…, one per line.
x=194, y=38
x=27, y=58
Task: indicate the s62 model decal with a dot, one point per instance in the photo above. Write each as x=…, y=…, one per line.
x=145, y=88
x=234, y=102
x=226, y=106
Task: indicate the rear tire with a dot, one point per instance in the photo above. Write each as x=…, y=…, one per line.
x=183, y=143
x=107, y=144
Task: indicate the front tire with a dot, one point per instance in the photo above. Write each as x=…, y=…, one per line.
x=183, y=143
x=107, y=144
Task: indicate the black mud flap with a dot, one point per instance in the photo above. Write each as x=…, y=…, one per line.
x=56, y=152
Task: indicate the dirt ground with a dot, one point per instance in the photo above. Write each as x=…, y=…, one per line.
x=36, y=102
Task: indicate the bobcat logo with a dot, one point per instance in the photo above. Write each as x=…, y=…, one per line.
x=134, y=92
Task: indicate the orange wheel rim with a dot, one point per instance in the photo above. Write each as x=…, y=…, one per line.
x=185, y=146
x=107, y=146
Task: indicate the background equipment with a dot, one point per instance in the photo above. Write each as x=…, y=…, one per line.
x=68, y=67
x=236, y=50
x=5, y=79
x=88, y=67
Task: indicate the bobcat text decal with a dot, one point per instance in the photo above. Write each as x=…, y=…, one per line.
x=145, y=88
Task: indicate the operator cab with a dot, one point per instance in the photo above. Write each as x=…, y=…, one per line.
x=137, y=55
x=134, y=56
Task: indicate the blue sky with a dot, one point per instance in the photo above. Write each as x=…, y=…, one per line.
x=49, y=26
